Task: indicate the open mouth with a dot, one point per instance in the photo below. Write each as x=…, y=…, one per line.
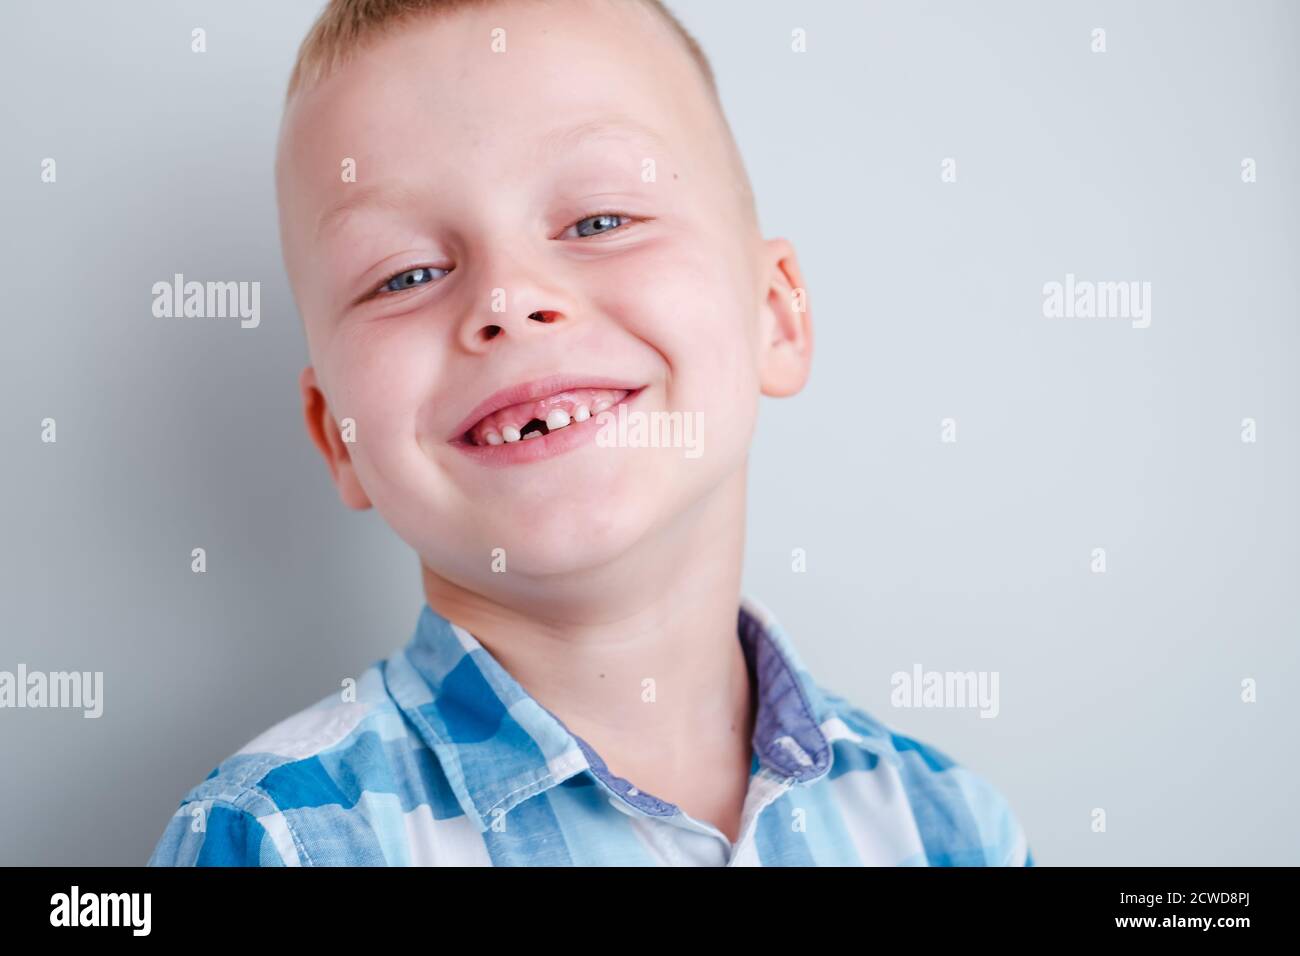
x=536, y=419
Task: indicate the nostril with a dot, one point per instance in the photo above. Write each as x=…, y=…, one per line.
x=546, y=316
x=491, y=331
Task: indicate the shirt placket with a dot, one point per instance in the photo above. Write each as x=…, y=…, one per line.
x=765, y=789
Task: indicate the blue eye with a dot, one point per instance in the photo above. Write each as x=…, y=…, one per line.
x=604, y=222
x=410, y=279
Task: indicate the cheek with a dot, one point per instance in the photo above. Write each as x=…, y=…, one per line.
x=381, y=377
x=698, y=313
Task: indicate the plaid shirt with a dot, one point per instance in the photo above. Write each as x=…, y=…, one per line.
x=443, y=759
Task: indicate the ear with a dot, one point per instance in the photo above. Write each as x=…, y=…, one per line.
x=325, y=434
x=785, y=323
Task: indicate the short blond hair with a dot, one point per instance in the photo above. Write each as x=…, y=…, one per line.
x=347, y=26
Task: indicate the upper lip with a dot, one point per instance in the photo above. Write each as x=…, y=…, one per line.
x=531, y=392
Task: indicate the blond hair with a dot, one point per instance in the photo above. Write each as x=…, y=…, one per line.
x=346, y=26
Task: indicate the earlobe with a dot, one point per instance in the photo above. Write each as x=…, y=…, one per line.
x=325, y=435
x=787, y=337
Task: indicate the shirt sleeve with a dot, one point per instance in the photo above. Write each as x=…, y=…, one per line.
x=1000, y=831
x=216, y=833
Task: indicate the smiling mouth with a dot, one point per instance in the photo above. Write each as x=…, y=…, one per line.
x=535, y=419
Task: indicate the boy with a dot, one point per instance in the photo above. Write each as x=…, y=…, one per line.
x=511, y=226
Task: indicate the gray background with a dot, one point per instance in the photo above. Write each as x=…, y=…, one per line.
x=1118, y=691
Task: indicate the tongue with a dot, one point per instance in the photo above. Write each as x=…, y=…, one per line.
x=518, y=416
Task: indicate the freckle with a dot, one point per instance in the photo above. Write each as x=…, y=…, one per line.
x=602, y=675
x=674, y=175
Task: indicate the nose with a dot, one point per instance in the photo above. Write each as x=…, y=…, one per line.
x=485, y=332
x=519, y=309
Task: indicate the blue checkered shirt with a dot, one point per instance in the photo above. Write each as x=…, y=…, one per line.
x=441, y=758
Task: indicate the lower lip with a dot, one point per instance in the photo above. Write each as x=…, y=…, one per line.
x=553, y=443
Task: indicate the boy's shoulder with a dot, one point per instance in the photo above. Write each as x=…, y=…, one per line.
x=961, y=818
x=313, y=768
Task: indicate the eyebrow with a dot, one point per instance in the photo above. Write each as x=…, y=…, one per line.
x=393, y=196
x=558, y=141
x=396, y=196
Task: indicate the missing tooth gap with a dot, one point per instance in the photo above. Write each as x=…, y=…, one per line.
x=536, y=425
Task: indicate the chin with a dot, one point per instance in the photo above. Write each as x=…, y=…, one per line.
x=571, y=538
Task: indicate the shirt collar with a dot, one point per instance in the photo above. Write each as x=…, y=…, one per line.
x=499, y=746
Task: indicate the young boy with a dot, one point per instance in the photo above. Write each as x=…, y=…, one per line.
x=518, y=231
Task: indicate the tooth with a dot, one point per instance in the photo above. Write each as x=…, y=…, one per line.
x=600, y=405
x=557, y=418
x=532, y=435
x=493, y=438
x=581, y=413
x=510, y=433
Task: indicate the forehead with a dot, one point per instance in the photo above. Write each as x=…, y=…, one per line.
x=492, y=92
x=617, y=131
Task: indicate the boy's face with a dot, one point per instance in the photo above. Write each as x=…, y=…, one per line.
x=479, y=188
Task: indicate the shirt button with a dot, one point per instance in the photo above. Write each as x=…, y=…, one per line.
x=620, y=805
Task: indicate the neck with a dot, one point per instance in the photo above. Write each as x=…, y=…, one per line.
x=640, y=657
